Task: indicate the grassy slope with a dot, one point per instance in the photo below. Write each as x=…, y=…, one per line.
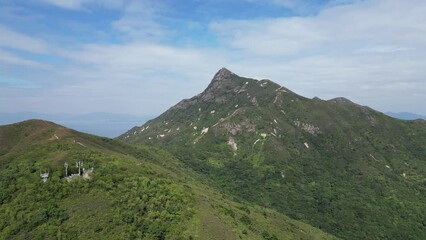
x=135, y=192
x=363, y=175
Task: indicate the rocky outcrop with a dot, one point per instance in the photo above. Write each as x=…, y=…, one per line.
x=221, y=80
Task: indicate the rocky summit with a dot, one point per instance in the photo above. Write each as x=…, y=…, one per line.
x=345, y=168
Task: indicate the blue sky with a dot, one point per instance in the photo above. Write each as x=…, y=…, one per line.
x=142, y=57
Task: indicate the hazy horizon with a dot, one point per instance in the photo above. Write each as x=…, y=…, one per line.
x=142, y=57
x=101, y=124
x=114, y=124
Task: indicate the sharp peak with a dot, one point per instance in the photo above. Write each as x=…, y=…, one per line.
x=225, y=70
x=223, y=76
x=222, y=73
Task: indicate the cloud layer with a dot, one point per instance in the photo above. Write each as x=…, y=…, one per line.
x=370, y=51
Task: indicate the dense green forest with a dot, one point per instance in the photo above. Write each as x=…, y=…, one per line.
x=121, y=201
x=134, y=192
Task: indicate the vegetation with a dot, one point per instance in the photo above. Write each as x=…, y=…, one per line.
x=133, y=193
x=242, y=160
x=339, y=166
x=120, y=202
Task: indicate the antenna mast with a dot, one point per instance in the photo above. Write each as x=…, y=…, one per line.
x=66, y=169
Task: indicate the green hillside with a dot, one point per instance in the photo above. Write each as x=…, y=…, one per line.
x=133, y=193
x=339, y=166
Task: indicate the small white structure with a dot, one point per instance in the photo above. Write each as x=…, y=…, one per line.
x=82, y=172
x=44, y=176
x=79, y=165
x=87, y=172
x=66, y=169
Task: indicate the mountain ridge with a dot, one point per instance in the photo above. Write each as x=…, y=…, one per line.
x=130, y=193
x=268, y=145
x=98, y=123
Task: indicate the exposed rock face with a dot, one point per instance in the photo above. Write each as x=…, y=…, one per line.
x=185, y=103
x=309, y=128
x=254, y=101
x=235, y=128
x=221, y=80
x=232, y=144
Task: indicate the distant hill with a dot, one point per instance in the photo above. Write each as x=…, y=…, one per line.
x=102, y=124
x=405, y=115
x=345, y=168
x=132, y=193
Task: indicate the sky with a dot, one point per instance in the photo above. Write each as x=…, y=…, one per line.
x=142, y=57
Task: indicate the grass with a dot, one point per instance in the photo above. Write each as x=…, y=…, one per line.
x=135, y=193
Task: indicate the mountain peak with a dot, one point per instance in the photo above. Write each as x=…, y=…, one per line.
x=221, y=80
x=341, y=100
x=222, y=74
x=245, y=132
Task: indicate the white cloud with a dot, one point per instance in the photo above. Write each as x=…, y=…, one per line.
x=270, y=37
x=79, y=4
x=141, y=20
x=8, y=58
x=304, y=7
x=389, y=23
x=142, y=56
x=296, y=5
x=138, y=74
x=384, y=82
x=70, y=4
x=383, y=49
x=15, y=40
x=371, y=51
